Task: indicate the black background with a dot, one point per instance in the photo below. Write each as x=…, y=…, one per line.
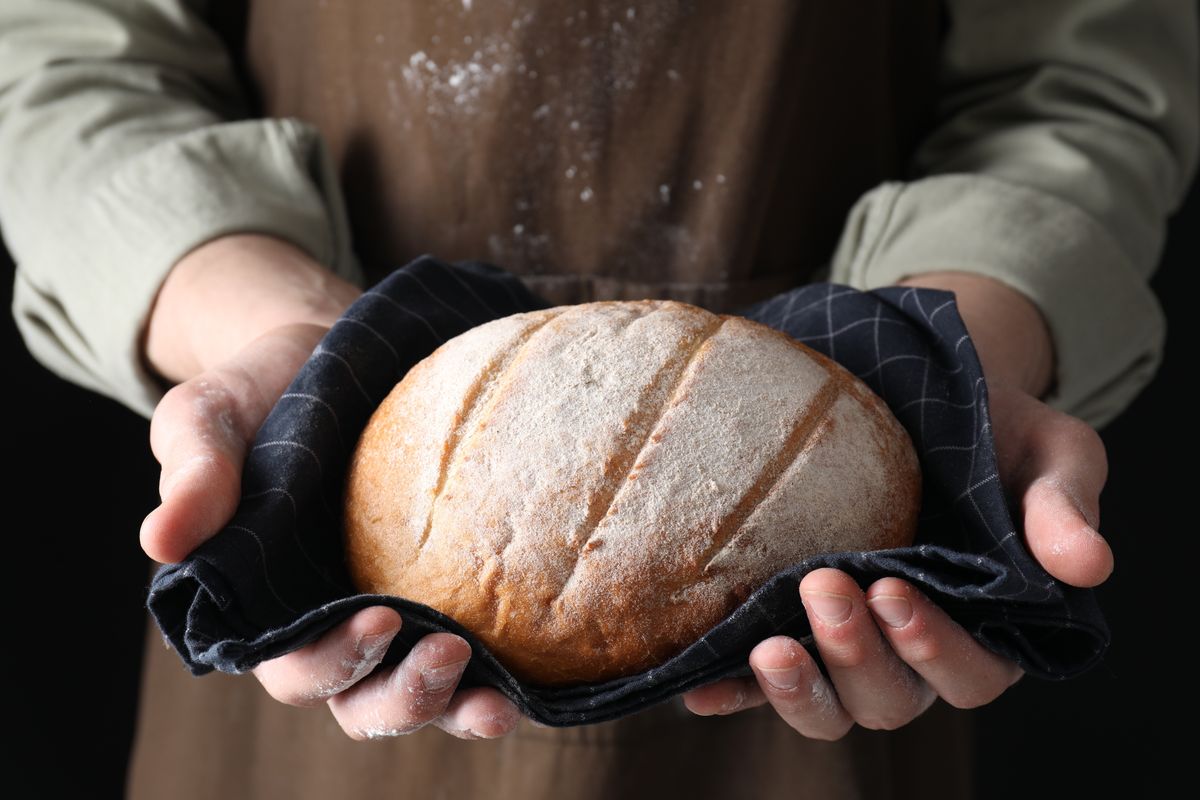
x=81, y=477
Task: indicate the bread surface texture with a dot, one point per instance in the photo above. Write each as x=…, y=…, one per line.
x=589, y=489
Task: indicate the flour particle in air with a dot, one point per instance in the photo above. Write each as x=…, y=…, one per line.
x=457, y=87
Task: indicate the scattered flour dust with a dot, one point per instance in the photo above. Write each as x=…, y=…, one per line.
x=454, y=85
x=824, y=699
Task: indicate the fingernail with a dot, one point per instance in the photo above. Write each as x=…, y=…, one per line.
x=782, y=679
x=894, y=611
x=738, y=700
x=832, y=609
x=368, y=652
x=437, y=679
x=369, y=646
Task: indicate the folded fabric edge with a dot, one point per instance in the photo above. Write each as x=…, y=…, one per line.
x=239, y=653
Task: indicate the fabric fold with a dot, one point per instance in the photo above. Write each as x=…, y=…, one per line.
x=274, y=579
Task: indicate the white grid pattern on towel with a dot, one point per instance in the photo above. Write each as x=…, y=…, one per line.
x=316, y=409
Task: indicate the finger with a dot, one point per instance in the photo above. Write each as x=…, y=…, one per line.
x=200, y=433
x=726, y=696
x=876, y=688
x=194, y=437
x=479, y=713
x=1058, y=533
x=794, y=686
x=333, y=663
x=401, y=700
x=962, y=672
x=1057, y=466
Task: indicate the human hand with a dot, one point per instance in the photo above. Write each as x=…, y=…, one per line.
x=233, y=324
x=890, y=652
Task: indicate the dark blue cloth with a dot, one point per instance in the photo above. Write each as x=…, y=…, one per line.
x=274, y=579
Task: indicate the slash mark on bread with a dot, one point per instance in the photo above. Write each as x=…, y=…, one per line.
x=493, y=377
x=804, y=433
x=643, y=426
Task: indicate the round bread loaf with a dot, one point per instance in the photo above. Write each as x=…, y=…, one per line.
x=588, y=489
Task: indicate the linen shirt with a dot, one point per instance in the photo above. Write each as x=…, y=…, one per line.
x=1066, y=134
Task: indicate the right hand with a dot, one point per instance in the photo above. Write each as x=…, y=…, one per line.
x=232, y=325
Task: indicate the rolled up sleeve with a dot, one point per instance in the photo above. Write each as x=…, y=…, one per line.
x=1067, y=134
x=122, y=147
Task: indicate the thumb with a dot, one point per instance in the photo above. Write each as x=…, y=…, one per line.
x=1055, y=466
x=200, y=433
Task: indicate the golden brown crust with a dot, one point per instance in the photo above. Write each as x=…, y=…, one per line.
x=589, y=489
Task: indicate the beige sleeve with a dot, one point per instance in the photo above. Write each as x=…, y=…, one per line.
x=1067, y=134
x=122, y=148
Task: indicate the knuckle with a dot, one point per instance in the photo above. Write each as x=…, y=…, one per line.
x=494, y=727
x=346, y=672
x=466, y=734
x=971, y=696
x=381, y=730
x=354, y=733
x=898, y=711
x=287, y=697
x=922, y=650
x=292, y=696
x=274, y=684
x=1083, y=437
x=846, y=653
x=217, y=403
x=418, y=706
x=378, y=724
x=801, y=699
x=833, y=734
x=884, y=721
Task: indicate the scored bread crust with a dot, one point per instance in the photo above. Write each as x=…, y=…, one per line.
x=589, y=489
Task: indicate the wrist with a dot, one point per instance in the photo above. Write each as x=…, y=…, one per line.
x=226, y=293
x=1009, y=333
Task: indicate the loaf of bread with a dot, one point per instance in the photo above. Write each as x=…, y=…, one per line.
x=588, y=489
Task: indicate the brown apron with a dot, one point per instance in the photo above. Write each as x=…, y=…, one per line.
x=700, y=150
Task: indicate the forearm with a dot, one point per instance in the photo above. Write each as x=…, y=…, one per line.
x=1067, y=132
x=118, y=157
x=228, y=292
x=1009, y=333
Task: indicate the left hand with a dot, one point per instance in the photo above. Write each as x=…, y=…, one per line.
x=890, y=652
x=232, y=324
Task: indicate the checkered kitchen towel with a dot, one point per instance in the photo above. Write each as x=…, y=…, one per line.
x=273, y=580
